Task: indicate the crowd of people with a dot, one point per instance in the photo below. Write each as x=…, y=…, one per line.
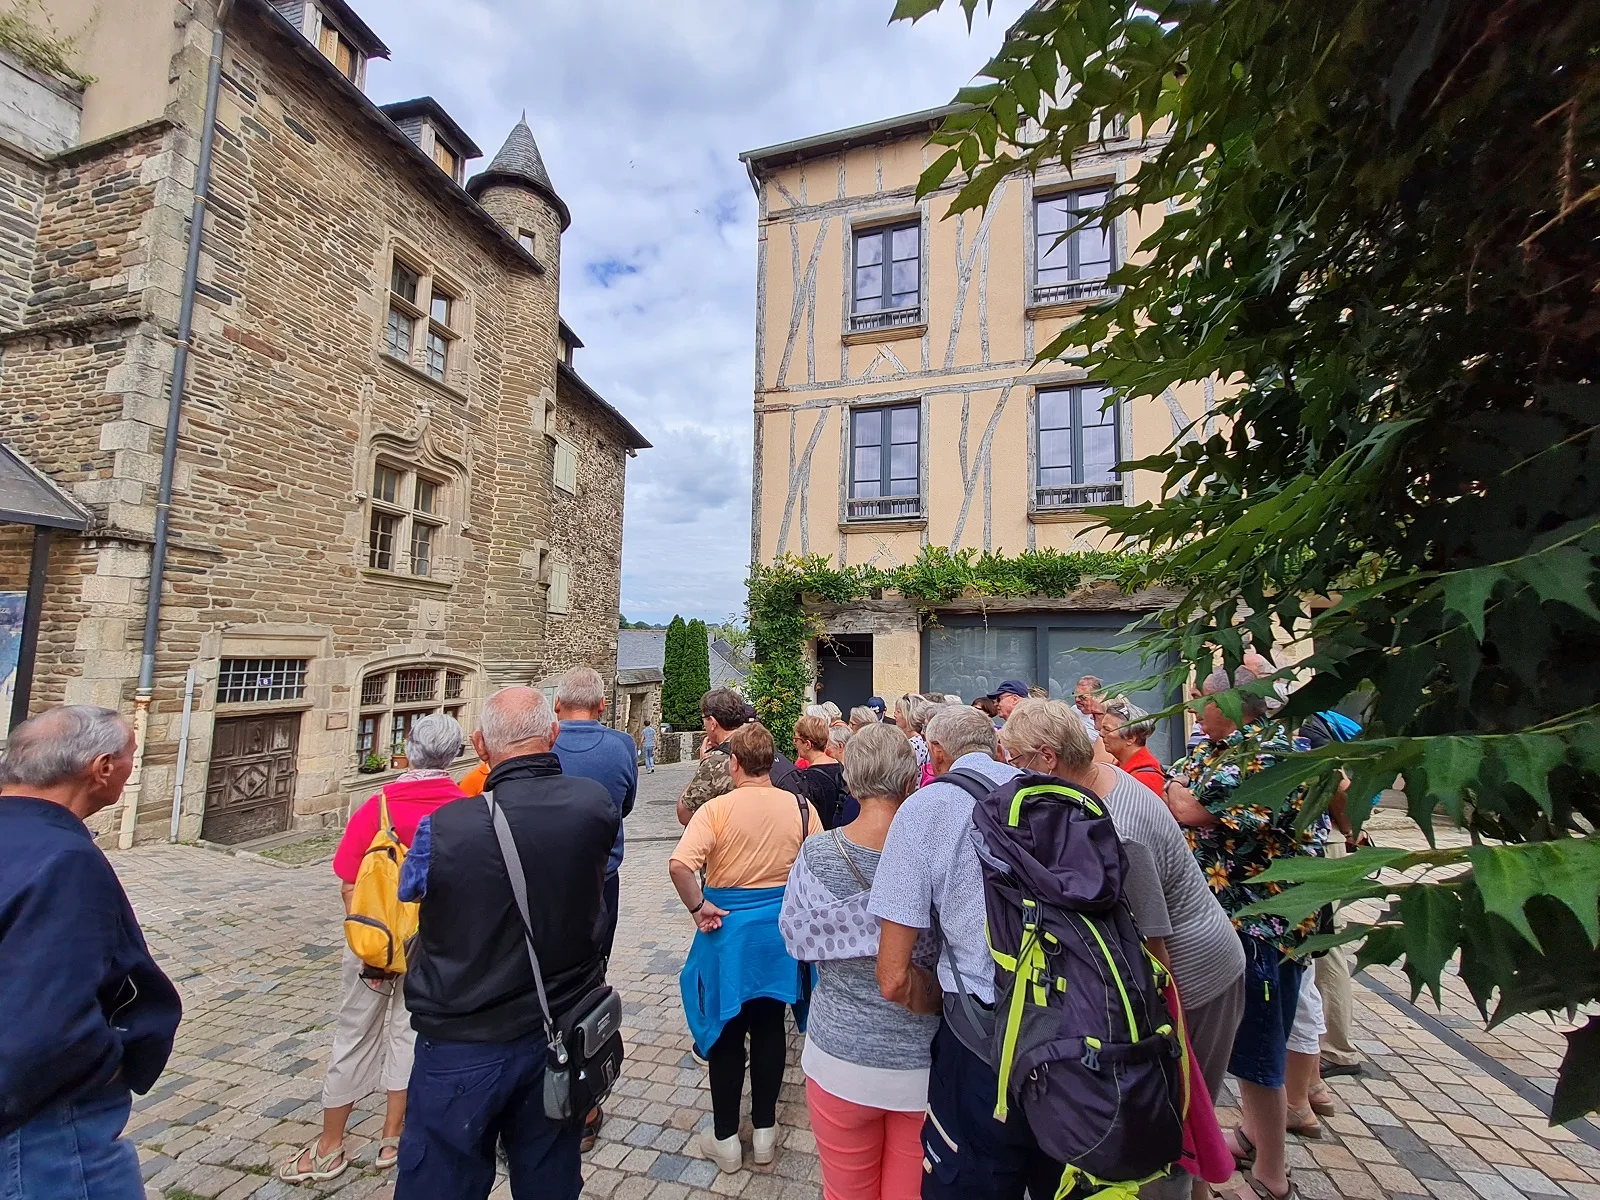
x=845, y=885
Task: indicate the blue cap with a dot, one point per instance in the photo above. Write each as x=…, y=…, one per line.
x=1010, y=687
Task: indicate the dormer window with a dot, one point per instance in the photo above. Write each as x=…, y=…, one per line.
x=337, y=30
x=447, y=159
x=426, y=123
x=338, y=50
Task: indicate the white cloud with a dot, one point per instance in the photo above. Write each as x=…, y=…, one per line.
x=641, y=110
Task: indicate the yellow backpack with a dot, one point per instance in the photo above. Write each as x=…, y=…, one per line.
x=379, y=924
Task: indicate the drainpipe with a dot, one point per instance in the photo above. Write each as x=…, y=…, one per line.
x=169, y=451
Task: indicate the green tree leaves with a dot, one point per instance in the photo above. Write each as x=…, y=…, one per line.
x=680, y=700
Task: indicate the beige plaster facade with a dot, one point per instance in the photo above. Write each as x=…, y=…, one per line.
x=960, y=354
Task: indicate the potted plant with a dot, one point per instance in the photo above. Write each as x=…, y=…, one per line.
x=372, y=763
x=398, y=761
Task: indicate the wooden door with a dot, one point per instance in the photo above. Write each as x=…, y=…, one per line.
x=250, y=784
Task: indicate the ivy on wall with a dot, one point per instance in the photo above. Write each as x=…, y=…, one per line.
x=780, y=626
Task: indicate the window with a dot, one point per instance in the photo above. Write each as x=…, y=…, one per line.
x=1072, y=253
x=424, y=319
x=885, y=463
x=526, y=239
x=1078, y=449
x=252, y=680
x=446, y=158
x=407, y=510
x=382, y=725
x=336, y=48
x=886, y=283
x=402, y=322
x=560, y=588
x=566, y=467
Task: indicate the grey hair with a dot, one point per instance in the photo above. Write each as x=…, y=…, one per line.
x=961, y=729
x=61, y=744
x=917, y=710
x=863, y=716
x=435, y=741
x=514, y=715
x=833, y=710
x=581, y=688
x=1136, y=723
x=838, y=735
x=952, y=698
x=880, y=764
x=1253, y=707
x=1049, y=725
x=819, y=711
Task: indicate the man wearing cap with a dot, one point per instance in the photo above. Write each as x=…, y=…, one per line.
x=1008, y=695
x=877, y=705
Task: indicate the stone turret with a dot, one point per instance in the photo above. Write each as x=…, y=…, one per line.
x=516, y=190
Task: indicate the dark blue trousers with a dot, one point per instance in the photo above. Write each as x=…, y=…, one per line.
x=464, y=1096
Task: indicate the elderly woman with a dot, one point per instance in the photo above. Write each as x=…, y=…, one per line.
x=738, y=976
x=822, y=780
x=1124, y=730
x=1176, y=911
x=373, y=1039
x=866, y=1058
x=911, y=713
x=861, y=716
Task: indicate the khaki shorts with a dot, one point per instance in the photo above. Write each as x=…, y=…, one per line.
x=373, y=1041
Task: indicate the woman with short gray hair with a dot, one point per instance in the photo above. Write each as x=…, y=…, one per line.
x=373, y=1041
x=866, y=1059
x=1124, y=730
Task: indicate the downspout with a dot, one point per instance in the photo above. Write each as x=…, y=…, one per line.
x=169, y=451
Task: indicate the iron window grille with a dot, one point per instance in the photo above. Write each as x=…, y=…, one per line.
x=390, y=709
x=412, y=687
x=254, y=680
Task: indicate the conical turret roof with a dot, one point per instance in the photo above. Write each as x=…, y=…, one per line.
x=519, y=163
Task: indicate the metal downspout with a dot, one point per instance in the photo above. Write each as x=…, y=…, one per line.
x=169, y=450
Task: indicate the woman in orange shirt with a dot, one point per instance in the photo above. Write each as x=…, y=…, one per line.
x=738, y=976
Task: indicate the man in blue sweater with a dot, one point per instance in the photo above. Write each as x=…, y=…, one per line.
x=89, y=1017
x=590, y=750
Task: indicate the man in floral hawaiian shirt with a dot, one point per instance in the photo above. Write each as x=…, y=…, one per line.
x=1233, y=844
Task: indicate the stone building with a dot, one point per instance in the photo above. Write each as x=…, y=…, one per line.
x=389, y=474
x=898, y=403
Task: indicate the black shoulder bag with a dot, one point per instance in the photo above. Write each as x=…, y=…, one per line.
x=584, y=1057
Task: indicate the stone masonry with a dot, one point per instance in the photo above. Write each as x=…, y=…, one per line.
x=292, y=401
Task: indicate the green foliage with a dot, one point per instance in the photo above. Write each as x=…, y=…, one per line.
x=680, y=700
x=780, y=628
x=1376, y=228
x=39, y=45
x=699, y=657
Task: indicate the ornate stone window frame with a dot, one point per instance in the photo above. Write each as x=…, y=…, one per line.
x=418, y=455
x=456, y=690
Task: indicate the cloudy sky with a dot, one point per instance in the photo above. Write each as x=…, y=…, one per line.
x=641, y=109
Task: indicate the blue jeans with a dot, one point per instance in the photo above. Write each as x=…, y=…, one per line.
x=464, y=1096
x=73, y=1151
x=1271, y=994
x=649, y=758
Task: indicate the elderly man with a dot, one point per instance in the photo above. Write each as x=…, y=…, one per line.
x=722, y=710
x=1008, y=695
x=89, y=1017
x=929, y=878
x=480, y=1057
x=1234, y=843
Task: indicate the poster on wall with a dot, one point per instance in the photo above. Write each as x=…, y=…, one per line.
x=11, y=606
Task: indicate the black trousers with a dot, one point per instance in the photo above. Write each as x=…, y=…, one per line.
x=762, y=1021
x=613, y=902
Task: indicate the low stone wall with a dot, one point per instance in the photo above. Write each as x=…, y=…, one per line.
x=676, y=747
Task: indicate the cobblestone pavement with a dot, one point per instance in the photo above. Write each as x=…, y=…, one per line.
x=1444, y=1111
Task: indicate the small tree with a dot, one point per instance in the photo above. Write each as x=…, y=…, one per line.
x=680, y=704
x=700, y=660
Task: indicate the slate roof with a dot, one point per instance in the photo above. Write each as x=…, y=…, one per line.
x=644, y=651
x=30, y=497
x=519, y=162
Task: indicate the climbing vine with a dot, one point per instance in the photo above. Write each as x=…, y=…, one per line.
x=780, y=627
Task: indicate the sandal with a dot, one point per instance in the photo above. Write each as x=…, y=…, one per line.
x=384, y=1161
x=1242, y=1149
x=322, y=1166
x=1266, y=1193
x=1302, y=1122
x=1322, y=1100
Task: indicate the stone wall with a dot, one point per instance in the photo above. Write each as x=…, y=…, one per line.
x=21, y=182
x=291, y=399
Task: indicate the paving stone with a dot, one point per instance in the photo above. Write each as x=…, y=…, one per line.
x=1490, y=1187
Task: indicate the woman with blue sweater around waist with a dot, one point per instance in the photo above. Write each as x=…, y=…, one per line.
x=738, y=975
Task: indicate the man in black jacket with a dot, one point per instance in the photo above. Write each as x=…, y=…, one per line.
x=88, y=1016
x=480, y=1059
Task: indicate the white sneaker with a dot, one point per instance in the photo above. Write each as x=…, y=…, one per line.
x=764, y=1144
x=725, y=1152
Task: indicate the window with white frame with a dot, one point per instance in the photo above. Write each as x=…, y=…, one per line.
x=566, y=466
x=559, y=599
x=423, y=327
x=405, y=520
x=1073, y=250
x=392, y=700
